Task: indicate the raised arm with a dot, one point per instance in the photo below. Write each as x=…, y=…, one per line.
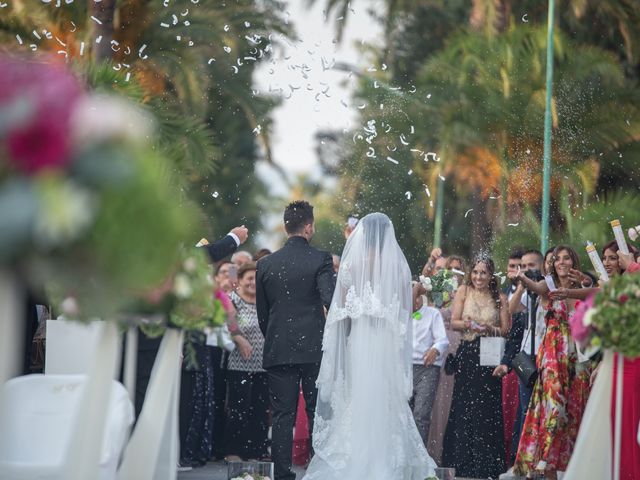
x=536, y=287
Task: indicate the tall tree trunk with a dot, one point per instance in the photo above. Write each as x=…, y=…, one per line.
x=480, y=226
x=490, y=15
x=104, y=11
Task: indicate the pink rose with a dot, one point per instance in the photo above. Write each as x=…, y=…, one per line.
x=579, y=330
x=39, y=98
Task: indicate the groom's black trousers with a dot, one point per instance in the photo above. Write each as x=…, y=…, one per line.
x=284, y=388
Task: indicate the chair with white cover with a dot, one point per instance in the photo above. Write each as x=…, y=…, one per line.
x=39, y=418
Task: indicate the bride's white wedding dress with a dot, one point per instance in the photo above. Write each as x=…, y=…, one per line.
x=364, y=428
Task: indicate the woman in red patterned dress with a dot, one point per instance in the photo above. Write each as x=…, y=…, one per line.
x=560, y=392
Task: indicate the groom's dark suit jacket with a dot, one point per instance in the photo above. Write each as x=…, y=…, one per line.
x=292, y=287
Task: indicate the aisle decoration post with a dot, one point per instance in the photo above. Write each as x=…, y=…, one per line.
x=88, y=208
x=610, y=321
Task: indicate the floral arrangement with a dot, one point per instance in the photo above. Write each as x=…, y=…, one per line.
x=440, y=287
x=251, y=476
x=189, y=299
x=611, y=318
x=86, y=203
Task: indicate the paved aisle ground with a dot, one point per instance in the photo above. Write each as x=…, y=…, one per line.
x=218, y=471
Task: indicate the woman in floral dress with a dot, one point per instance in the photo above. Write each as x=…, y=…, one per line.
x=562, y=388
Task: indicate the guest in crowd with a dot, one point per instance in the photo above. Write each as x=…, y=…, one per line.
x=225, y=280
x=616, y=263
x=248, y=393
x=513, y=265
x=263, y=252
x=429, y=346
x=524, y=306
x=228, y=244
x=553, y=415
x=241, y=257
x=444, y=392
x=437, y=261
x=474, y=443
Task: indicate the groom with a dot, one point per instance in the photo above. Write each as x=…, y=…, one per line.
x=293, y=286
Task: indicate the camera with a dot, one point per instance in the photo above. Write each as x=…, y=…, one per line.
x=534, y=275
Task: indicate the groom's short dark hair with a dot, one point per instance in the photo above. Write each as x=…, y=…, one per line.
x=297, y=215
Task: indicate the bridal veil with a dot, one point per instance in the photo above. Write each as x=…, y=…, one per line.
x=363, y=424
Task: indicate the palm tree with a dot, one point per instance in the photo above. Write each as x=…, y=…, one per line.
x=488, y=109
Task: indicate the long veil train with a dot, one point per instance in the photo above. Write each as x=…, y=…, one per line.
x=363, y=424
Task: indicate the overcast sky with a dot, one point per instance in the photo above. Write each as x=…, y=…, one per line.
x=315, y=96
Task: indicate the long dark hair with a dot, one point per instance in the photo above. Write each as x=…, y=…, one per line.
x=574, y=258
x=493, y=282
x=613, y=245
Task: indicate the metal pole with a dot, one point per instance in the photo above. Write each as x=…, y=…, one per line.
x=437, y=227
x=546, y=179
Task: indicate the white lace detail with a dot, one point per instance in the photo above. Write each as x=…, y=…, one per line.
x=368, y=304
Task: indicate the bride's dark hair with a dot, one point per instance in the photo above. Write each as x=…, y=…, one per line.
x=491, y=268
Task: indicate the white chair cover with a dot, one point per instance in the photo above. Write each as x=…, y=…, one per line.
x=152, y=452
x=39, y=421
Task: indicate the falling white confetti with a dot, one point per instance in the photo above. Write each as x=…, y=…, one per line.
x=19, y=39
x=408, y=195
x=426, y=189
x=215, y=194
x=467, y=212
x=371, y=153
x=96, y=20
x=35, y=34
x=403, y=140
x=392, y=160
x=257, y=130
x=3, y=5
x=226, y=28
x=99, y=39
x=142, y=50
x=524, y=18
x=441, y=177
x=428, y=96
x=513, y=224
x=433, y=156
x=410, y=172
x=227, y=49
x=211, y=60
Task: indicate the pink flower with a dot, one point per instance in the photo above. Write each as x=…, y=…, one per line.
x=579, y=330
x=38, y=98
x=623, y=299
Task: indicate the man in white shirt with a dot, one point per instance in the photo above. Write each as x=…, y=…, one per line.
x=430, y=343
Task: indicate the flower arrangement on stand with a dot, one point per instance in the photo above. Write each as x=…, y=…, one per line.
x=611, y=318
x=87, y=205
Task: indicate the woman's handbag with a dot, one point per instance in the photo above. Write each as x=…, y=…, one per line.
x=525, y=367
x=451, y=364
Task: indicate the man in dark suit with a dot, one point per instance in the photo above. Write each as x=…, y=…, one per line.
x=227, y=245
x=293, y=287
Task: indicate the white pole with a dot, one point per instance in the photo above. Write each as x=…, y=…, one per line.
x=130, y=363
x=618, y=426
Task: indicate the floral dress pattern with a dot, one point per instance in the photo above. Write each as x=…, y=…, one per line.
x=558, y=401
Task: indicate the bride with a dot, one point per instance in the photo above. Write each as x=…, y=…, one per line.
x=363, y=424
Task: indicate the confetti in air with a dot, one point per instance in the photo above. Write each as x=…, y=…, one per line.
x=467, y=212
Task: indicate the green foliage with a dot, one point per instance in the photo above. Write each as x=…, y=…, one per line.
x=616, y=319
